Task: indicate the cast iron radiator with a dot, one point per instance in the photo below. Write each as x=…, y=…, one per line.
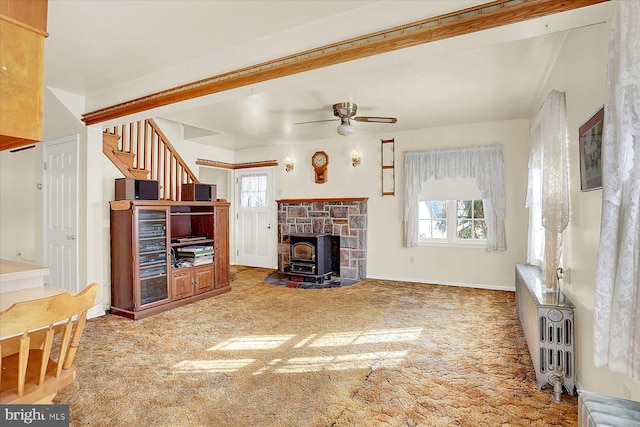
x=547, y=322
x=597, y=410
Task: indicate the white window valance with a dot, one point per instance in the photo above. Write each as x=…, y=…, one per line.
x=485, y=164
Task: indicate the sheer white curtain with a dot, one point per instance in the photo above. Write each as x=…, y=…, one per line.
x=485, y=164
x=616, y=308
x=548, y=188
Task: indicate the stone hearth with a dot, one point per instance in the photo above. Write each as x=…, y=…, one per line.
x=346, y=218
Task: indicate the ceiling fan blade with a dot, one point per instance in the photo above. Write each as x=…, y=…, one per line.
x=316, y=121
x=375, y=119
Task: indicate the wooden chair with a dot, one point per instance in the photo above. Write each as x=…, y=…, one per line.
x=40, y=339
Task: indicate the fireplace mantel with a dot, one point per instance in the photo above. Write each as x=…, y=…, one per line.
x=326, y=200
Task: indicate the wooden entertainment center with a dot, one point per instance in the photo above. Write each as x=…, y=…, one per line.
x=145, y=237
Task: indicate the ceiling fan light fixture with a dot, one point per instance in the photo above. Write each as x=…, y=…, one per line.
x=345, y=128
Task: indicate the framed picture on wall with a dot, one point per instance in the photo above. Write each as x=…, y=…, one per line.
x=591, y=152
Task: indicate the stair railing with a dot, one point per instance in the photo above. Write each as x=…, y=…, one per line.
x=141, y=150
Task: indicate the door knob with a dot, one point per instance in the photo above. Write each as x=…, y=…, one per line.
x=269, y=227
x=72, y=237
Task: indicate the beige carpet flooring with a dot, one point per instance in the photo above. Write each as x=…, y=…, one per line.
x=377, y=353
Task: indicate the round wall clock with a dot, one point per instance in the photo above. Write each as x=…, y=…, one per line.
x=320, y=161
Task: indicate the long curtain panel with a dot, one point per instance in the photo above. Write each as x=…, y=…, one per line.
x=617, y=298
x=548, y=187
x=484, y=163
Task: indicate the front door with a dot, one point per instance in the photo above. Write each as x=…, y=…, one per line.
x=255, y=236
x=61, y=212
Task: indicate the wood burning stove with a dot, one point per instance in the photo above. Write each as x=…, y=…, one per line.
x=310, y=257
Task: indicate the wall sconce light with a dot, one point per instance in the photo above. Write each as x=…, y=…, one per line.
x=355, y=157
x=288, y=163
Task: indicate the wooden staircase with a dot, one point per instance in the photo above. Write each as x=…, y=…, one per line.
x=141, y=150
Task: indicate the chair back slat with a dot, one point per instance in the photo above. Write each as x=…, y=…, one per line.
x=46, y=352
x=64, y=346
x=22, y=362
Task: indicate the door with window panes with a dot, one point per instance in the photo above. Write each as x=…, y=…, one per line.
x=255, y=236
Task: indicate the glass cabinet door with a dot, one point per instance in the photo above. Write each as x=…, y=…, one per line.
x=152, y=256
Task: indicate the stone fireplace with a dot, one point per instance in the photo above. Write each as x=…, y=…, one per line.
x=346, y=218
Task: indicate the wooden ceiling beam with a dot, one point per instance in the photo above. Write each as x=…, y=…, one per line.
x=466, y=21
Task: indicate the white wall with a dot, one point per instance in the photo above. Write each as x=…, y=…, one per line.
x=21, y=204
x=580, y=72
x=219, y=178
x=190, y=151
x=387, y=258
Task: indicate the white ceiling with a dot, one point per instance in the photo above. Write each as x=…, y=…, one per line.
x=112, y=51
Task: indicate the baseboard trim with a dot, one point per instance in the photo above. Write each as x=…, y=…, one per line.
x=509, y=288
x=96, y=311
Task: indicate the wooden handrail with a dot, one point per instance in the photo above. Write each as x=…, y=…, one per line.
x=152, y=156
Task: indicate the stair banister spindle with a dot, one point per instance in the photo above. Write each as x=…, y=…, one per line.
x=123, y=143
x=176, y=179
x=154, y=162
x=139, y=146
x=130, y=146
x=160, y=157
x=146, y=145
x=166, y=166
x=170, y=177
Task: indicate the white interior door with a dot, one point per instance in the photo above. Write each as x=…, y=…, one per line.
x=61, y=212
x=255, y=229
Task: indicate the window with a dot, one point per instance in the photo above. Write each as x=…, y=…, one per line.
x=470, y=224
x=253, y=191
x=432, y=220
x=452, y=221
x=479, y=221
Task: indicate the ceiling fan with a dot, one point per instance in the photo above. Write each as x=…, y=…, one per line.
x=346, y=112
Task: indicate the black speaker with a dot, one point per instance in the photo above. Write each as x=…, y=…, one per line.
x=136, y=189
x=198, y=192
